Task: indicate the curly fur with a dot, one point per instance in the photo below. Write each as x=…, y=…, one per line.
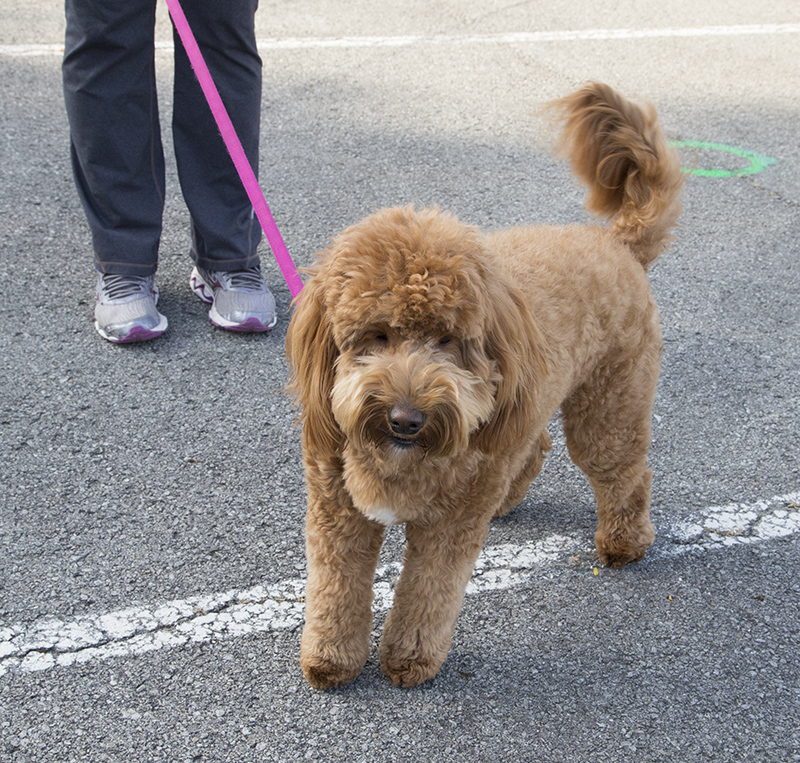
x=428, y=356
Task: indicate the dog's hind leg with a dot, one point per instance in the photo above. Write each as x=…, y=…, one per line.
x=607, y=425
x=530, y=471
x=342, y=548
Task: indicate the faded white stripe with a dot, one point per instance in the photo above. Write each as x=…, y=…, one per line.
x=524, y=37
x=51, y=642
x=399, y=41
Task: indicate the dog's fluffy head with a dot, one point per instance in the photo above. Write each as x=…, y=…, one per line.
x=408, y=346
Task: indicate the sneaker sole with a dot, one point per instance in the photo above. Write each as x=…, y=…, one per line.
x=250, y=326
x=136, y=334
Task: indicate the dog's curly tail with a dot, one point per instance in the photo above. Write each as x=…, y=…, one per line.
x=634, y=177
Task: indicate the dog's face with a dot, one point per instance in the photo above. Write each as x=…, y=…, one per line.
x=409, y=392
x=406, y=347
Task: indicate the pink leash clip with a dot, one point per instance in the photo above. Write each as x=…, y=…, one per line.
x=234, y=146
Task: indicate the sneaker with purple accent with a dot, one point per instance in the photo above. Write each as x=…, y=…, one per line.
x=125, y=309
x=240, y=299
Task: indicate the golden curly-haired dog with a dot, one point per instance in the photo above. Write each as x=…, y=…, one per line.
x=428, y=356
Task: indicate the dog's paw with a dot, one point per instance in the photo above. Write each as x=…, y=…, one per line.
x=324, y=674
x=619, y=558
x=409, y=671
x=621, y=548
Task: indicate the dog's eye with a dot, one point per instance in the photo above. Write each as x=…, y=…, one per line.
x=376, y=338
x=444, y=341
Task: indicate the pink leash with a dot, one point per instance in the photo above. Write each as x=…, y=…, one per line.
x=234, y=146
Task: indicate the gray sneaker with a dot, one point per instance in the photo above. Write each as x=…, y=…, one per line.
x=240, y=299
x=125, y=310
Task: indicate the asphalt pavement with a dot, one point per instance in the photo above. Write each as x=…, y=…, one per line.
x=152, y=496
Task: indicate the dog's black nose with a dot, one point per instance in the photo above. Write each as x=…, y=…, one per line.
x=405, y=420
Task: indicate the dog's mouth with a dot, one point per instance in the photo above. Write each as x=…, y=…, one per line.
x=402, y=442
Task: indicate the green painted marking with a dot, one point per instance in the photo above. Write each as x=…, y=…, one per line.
x=757, y=162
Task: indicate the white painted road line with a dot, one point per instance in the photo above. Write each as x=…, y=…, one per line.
x=50, y=642
x=303, y=43
x=525, y=37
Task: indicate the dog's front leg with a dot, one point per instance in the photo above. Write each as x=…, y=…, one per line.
x=342, y=548
x=438, y=563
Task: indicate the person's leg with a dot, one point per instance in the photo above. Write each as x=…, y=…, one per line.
x=117, y=158
x=225, y=232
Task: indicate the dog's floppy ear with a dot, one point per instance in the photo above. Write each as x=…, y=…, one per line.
x=311, y=353
x=513, y=342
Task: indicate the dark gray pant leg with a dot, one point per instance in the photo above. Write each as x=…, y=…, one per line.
x=225, y=232
x=116, y=150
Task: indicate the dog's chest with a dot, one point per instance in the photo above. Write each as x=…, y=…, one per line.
x=393, y=492
x=382, y=515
